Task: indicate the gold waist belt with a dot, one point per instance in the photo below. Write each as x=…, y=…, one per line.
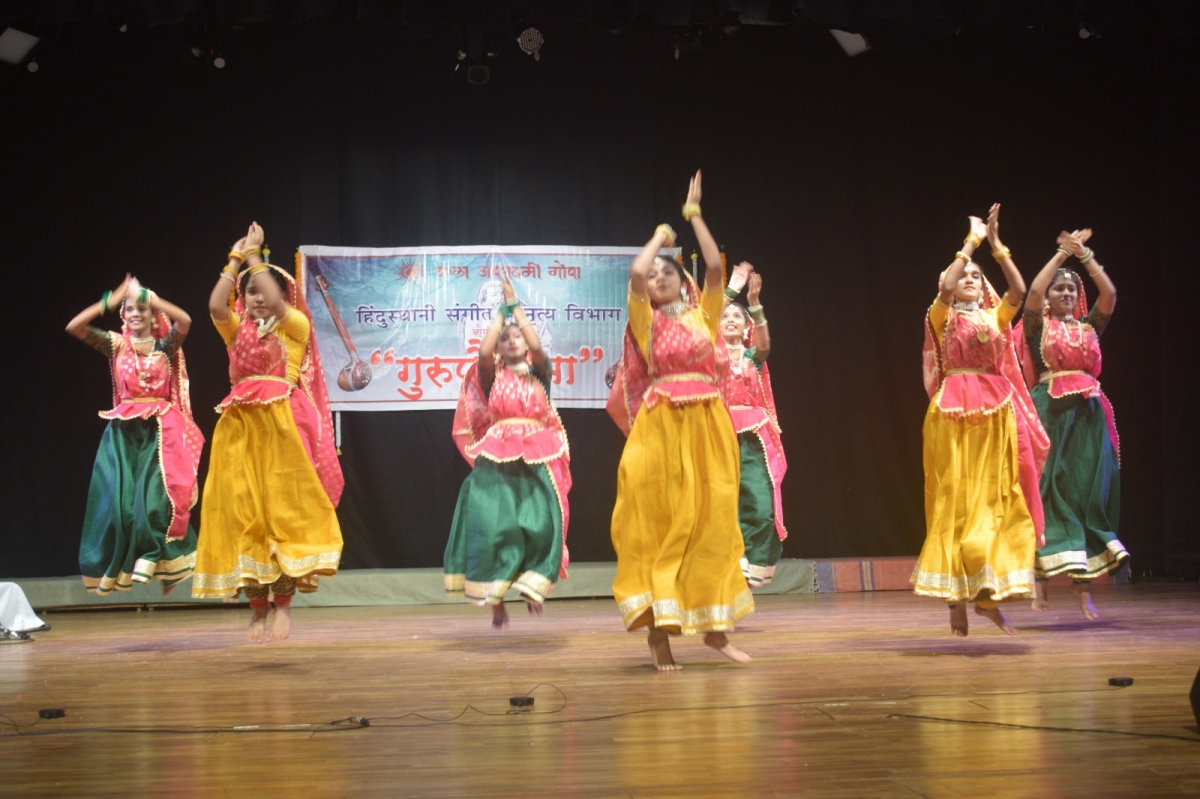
x=1048, y=376
x=520, y=420
x=142, y=399
x=272, y=378
x=970, y=372
x=684, y=377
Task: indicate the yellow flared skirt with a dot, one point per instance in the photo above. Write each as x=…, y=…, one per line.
x=675, y=524
x=265, y=512
x=979, y=537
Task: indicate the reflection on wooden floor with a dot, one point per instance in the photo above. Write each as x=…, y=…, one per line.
x=840, y=701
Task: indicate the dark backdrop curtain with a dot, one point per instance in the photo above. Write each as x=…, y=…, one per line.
x=846, y=182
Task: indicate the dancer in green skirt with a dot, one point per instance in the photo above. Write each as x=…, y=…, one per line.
x=510, y=525
x=1081, y=485
x=752, y=407
x=137, y=526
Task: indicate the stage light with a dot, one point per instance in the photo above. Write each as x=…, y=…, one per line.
x=686, y=42
x=32, y=66
x=1086, y=32
x=15, y=45
x=124, y=28
x=530, y=41
x=219, y=62
x=478, y=74
x=852, y=43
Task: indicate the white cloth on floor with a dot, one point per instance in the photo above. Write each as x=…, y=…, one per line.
x=15, y=611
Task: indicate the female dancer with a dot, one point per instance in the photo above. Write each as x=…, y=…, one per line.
x=274, y=479
x=137, y=527
x=1081, y=487
x=984, y=446
x=510, y=525
x=675, y=526
x=752, y=407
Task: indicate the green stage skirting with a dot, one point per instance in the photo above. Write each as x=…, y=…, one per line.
x=356, y=587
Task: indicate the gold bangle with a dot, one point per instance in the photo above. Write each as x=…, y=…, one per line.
x=973, y=239
x=690, y=210
x=230, y=275
x=1098, y=271
x=667, y=231
x=1064, y=251
x=246, y=253
x=235, y=254
x=1087, y=256
x=1001, y=252
x=962, y=255
x=258, y=269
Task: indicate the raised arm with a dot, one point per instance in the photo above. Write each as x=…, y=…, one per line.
x=663, y=236
x=80, y=326
x=1042, y=280
x=961, y=259
x=737, y=281
x=180, y=320
x=762, y=336
x=218, y=298
x=536, y=354
x=713, y=268
x=1108, y=292
x=1003, y=256
x=487, y=347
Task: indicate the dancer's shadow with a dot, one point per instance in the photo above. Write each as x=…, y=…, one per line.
x=1080, y=625
x=499, y=643
x=968, y=649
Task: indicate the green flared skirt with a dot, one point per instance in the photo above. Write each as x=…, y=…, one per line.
x=1081, y=489
x=506, y=533
x=128, y=512
x=756, y=512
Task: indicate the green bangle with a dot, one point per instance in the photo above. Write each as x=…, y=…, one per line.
x=104, y=298
x=142, y=296
x=731, y=292
x=1064, y=250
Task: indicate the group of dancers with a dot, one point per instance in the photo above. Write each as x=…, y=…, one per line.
x=698, y=521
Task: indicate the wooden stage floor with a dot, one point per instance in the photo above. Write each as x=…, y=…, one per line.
x=850, y=695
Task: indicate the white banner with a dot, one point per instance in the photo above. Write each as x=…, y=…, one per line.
x=399, y=327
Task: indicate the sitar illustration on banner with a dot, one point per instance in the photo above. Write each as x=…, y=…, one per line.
x=398, y=328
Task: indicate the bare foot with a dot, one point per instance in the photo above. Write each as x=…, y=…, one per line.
x=721, y=643
x=997, y=618
x=534, y=608
x=499, y=616
x=258, y=625
x=281, y=623
x=1085, y=601
x=958, y=619
x=660, y=648
x=1039, y=599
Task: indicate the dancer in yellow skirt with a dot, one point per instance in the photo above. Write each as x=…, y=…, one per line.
x=267, y=523
x=675, y=525
x=984, y=445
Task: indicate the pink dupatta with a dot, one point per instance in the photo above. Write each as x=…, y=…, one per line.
x=535, y=436
x=1069, y=378
x=1033, y=445
x=633, y=385
x=310, y=405
x=180, y=441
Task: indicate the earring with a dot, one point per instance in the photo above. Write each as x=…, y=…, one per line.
x=746, y=334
